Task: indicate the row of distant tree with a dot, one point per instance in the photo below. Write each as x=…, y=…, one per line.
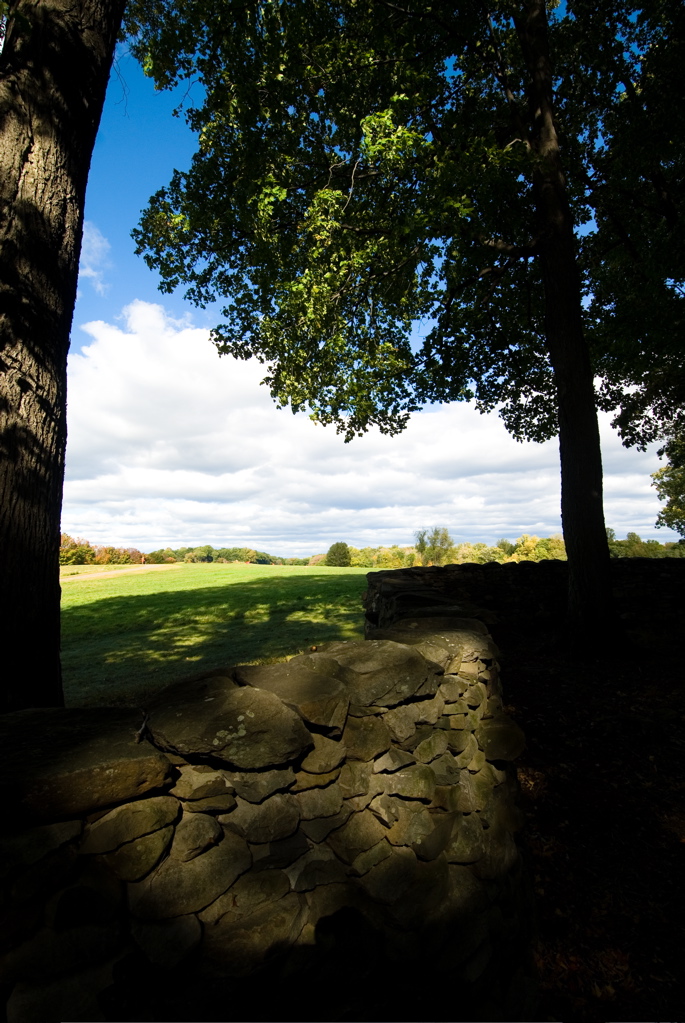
x=436, y=547
x=432, y=547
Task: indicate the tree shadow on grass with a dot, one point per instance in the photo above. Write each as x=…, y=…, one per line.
x=123, y=650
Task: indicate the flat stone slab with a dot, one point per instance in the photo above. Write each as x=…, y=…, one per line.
x=180, y=886
x=197, y=781
x=365, y=738
x=318, y=698
x=246, y=727
x=325, y=757
x=61, y=762
x=275, y=818
x=195, y=833
x=128, y=822
x=382, y=673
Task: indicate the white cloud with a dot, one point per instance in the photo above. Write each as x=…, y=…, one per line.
x=170, y=444
x=94, y=257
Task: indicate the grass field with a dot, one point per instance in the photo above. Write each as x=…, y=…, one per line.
x=124, y=638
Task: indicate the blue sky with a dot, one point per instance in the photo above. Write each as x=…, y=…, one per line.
x=168, y=444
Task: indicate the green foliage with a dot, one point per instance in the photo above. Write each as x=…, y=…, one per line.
x=635, y=547
x=434, y=546
x=75, y=551
x=670, y=485
x=338, y=555
x=363, y=167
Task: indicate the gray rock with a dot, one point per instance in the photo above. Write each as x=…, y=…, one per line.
x=366, y=738
x=318, y=866
x=194, y=834
x=325, y=757
x=249, y=892
x=424, y=896
x=197, y=781
x=475, y=791
x=475, y=695
x=389, y=881
x=130, y=821
x=62, y=762
x=452, y=689
x=393, y=760
x=210, y=804
x=179, y=887
x=134, y=860
x=459, y=706
x=235, y=948
x=166, y=942
x=304, y=780
x=446, y=797
x=363, y=863
x=386, y=809
x=256, y=786
x=467, y=843
x=248, y=728
x=464, y=747
x=28, y=847
x=430, y=710
x=360, y=832
x=355, y=778
x=320, y=802
x=446, y=769
x=320, y=828
x=275, y=818
x=385, y=673
x=416, y=782
x=432, y=748
x=414, y=823
x=402, y=721
x=437, y=841
x=500, y=738
x=319, y=699
x=276, y=855
x=478, y=762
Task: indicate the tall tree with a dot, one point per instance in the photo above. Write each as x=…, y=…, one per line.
x=366, y=164
x=54, y=66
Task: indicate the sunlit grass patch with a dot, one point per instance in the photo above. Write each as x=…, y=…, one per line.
x=126, y=637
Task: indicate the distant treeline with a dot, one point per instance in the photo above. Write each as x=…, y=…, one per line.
x=526, y=548
x=225, y=555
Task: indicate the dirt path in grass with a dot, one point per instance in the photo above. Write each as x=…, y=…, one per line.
x=118, y=571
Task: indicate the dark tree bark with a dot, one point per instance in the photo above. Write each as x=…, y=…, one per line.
x=582, y=512
x=54, y=69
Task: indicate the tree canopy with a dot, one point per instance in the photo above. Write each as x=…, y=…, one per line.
x=338, y=555
x=364, y=167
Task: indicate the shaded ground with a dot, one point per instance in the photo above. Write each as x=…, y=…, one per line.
x=603, y=783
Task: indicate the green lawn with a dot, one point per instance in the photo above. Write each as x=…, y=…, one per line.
x=125, y=637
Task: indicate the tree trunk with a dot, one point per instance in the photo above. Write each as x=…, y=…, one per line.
x=53, y=75
x=582, y=511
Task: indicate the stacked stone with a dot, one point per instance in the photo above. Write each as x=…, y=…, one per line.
x=367, y=777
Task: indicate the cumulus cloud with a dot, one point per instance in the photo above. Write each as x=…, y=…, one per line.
x=94, y=257
x=169, y=444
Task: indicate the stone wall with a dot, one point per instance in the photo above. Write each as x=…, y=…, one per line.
x=328, y=838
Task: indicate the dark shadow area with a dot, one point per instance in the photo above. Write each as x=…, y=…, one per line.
x=119, y=650
x=603, y=780
x=603, y=775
